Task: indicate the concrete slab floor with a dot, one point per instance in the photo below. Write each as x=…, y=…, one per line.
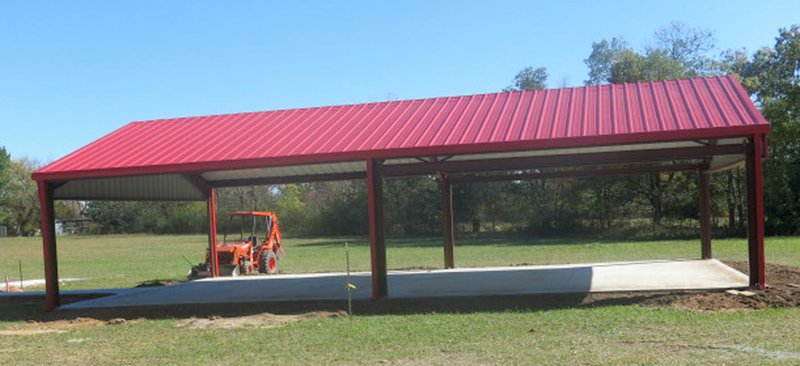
x=545, y=279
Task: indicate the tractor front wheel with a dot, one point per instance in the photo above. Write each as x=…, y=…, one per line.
x=268, y=262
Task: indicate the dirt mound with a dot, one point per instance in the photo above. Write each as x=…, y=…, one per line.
x=783, y=292
x=59, y=326
x=23, y=332
x=66, y=324
x=11, y=289
x=263, y=320
x=156, y=283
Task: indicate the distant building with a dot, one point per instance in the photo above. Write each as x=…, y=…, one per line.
x=72, y=226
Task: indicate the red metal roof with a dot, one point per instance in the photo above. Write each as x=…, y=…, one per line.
x=568, y=117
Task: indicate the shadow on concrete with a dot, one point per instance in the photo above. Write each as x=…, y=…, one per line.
x=331, y=286
x=490, y=282
x=30, y=309
x=418, y=292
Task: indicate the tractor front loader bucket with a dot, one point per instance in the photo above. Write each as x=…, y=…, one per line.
x=228, y=270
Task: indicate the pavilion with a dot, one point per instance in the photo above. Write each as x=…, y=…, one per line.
x=702, y=124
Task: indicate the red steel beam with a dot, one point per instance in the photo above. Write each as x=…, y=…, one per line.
x=755, y=212
x=377, y=242
x=448, y=231
x=212, y=230
x=704, y=190
x=575, y=173
x=137, y=199
x=48, y=226
x=486, y=165
x=288, y=179
x=454, y=179
x=567, y=160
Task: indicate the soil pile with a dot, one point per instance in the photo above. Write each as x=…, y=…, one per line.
x=263, y=320
x=783, y=292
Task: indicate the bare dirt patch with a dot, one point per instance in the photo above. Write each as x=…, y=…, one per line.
x=24, y=332
x=33, y=327
x=159, y=282
x=783, y=292
x=11, y=289
x=263, y=320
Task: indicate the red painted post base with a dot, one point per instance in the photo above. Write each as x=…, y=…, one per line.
x=755, y=212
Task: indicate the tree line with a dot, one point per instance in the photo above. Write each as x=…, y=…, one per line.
x=646, y=205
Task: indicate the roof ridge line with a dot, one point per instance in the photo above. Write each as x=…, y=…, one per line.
x=567, y=88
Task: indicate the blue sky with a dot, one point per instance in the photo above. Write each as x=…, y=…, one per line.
x=71, y=72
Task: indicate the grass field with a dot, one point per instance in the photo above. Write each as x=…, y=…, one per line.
x=608, y=335
x=614, y=334
x=125, y=261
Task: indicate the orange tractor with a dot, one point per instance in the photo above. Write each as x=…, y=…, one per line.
x=246, y=254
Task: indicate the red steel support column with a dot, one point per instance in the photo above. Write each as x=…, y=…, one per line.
x=447, y=221
x=48, y=225
x=704, y=188
x=377, y=244
x=211, y=204
x=755, y=212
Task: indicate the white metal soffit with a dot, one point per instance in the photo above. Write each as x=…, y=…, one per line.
x=176, y=187
x=163, y=187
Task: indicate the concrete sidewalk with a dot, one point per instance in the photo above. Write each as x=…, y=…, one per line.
x=577, y=278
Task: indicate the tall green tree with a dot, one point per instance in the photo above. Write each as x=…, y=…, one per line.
x=292, y=210
x=5, y=178
x=689, y=47
x=772, y=75
x=604, y=55
x=22, y=198
x=529, y=79
x=677, y=51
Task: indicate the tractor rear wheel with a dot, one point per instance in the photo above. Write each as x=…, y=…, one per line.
x=268, y=262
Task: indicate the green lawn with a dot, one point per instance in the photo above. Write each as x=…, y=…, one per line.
x=573, y=335
x=605, y=335
x=124, y=261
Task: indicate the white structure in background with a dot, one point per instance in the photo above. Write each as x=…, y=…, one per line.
x=72, y=226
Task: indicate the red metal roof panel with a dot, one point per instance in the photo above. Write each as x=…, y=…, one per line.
x=582, y=116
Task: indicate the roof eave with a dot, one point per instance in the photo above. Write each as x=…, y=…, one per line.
x=199, y=167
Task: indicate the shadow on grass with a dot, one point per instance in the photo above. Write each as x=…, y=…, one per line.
x=31, y=308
